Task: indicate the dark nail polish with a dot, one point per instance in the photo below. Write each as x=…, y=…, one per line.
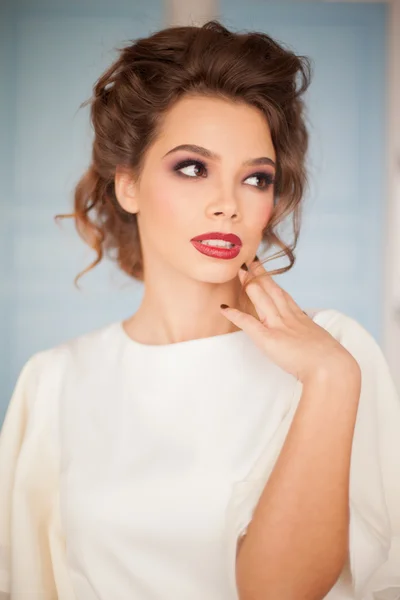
x=224, y=306
x=244, y=267
x=256, y=259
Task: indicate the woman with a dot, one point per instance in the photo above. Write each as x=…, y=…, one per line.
x=221, y=442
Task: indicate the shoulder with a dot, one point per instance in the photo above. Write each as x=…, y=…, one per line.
x=378, y=387
x=347, y=330
x=45, y=371
x=79, y=346
x=362, y=345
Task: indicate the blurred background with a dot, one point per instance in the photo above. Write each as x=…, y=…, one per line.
x=51, y=53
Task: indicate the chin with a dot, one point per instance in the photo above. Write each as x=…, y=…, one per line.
x=217, y=273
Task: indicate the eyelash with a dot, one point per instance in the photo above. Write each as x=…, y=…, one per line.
x=268, y=178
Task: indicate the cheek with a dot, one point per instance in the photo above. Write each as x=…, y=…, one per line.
x=164, y=206
x=159, y=200
x=263, y=213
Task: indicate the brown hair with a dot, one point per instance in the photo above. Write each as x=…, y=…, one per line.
x=132, y=95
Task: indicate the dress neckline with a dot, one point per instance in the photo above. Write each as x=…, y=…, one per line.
x=221, y=338
x=204, y=343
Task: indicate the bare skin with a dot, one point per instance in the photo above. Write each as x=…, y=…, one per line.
x=297, y=542
x=184, y=288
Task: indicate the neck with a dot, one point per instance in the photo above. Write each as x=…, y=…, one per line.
x=171, y=313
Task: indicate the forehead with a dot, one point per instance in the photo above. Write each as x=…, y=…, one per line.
x=218, y=124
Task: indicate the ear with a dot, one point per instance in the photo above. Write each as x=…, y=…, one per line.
x=126, y=189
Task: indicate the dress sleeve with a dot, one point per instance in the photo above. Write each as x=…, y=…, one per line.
x=372, y=571
x=30, y=545
x=11, y=443
x=373, y=568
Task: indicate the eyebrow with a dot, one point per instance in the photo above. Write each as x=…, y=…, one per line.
x=262, y=160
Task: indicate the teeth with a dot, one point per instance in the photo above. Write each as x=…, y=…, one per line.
x=219, y=243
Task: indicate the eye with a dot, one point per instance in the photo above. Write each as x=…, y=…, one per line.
x=192, y=168
x=267, y=180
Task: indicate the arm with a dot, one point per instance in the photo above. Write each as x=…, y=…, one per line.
x=31, y=545
x=297, y=542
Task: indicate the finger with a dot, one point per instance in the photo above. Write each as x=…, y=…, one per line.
x=249, y=324
x=265, y=281
x=264, y=304
x=285, y=303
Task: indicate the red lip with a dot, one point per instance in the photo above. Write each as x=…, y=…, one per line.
x=217, y=252
x=228, y=237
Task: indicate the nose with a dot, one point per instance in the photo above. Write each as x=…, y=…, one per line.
x=225, y=205
x=229, y=213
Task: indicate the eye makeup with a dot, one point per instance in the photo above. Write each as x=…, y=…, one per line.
x=266, y=177
x=188, y=163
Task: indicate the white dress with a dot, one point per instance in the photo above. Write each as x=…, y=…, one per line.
x=130, y=471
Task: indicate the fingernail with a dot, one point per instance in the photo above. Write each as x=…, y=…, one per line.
x=256, y=259
x=244, y=267
x=224, y=306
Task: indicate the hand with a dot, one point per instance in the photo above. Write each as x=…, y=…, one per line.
x=284, y=332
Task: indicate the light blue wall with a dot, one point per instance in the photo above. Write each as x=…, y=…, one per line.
x=7, y=121
x=340, y=252
x=51, y=54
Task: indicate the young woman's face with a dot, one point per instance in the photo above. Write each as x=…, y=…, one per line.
x=184, y=193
